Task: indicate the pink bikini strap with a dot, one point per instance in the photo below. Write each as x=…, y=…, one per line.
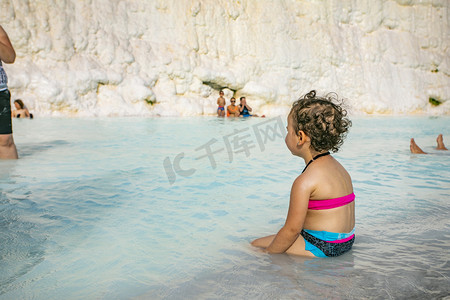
x=331, y=203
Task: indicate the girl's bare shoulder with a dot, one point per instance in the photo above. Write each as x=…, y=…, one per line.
x=329, y=180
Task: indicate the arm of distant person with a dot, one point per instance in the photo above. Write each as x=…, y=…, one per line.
x=7, y=53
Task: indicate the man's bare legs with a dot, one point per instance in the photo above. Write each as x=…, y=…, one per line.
x=417, y=150
x=7, y=147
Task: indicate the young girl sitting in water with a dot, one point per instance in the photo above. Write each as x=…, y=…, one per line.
x=321, y=217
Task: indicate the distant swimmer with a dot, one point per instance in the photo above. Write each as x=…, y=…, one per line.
x=21, y=110
x=232, y=109
x=417, y=150
x=221, y=104
x=8, y=149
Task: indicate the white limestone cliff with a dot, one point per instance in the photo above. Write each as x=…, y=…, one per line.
x=171, y=57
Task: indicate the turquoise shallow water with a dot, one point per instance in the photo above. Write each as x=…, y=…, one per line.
x=135, y=208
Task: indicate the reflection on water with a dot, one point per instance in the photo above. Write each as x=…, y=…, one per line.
x=28, y=148
x=88, y=212
x=266, y=277
x=21, y=239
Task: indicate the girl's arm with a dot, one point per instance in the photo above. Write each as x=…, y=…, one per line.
x=298, y=207
x=249, y=108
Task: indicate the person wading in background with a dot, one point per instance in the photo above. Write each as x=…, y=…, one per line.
x=8, y=55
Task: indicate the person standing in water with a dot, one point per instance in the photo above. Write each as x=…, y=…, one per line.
x=8, y=149
x=221, y=104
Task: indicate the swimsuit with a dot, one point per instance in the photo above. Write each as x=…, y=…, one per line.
x=5, y=104
x=18, y=116
x=325, y=243
x=331, y=203
x=314, y=158
x=231, y=110
x=221, y=108
x=5, y=112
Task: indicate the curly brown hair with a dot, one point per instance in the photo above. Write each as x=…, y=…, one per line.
x=323, y=120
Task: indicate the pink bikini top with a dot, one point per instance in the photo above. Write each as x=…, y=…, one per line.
x=331, y=203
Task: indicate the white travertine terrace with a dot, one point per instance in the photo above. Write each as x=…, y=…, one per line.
x=171, y=57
